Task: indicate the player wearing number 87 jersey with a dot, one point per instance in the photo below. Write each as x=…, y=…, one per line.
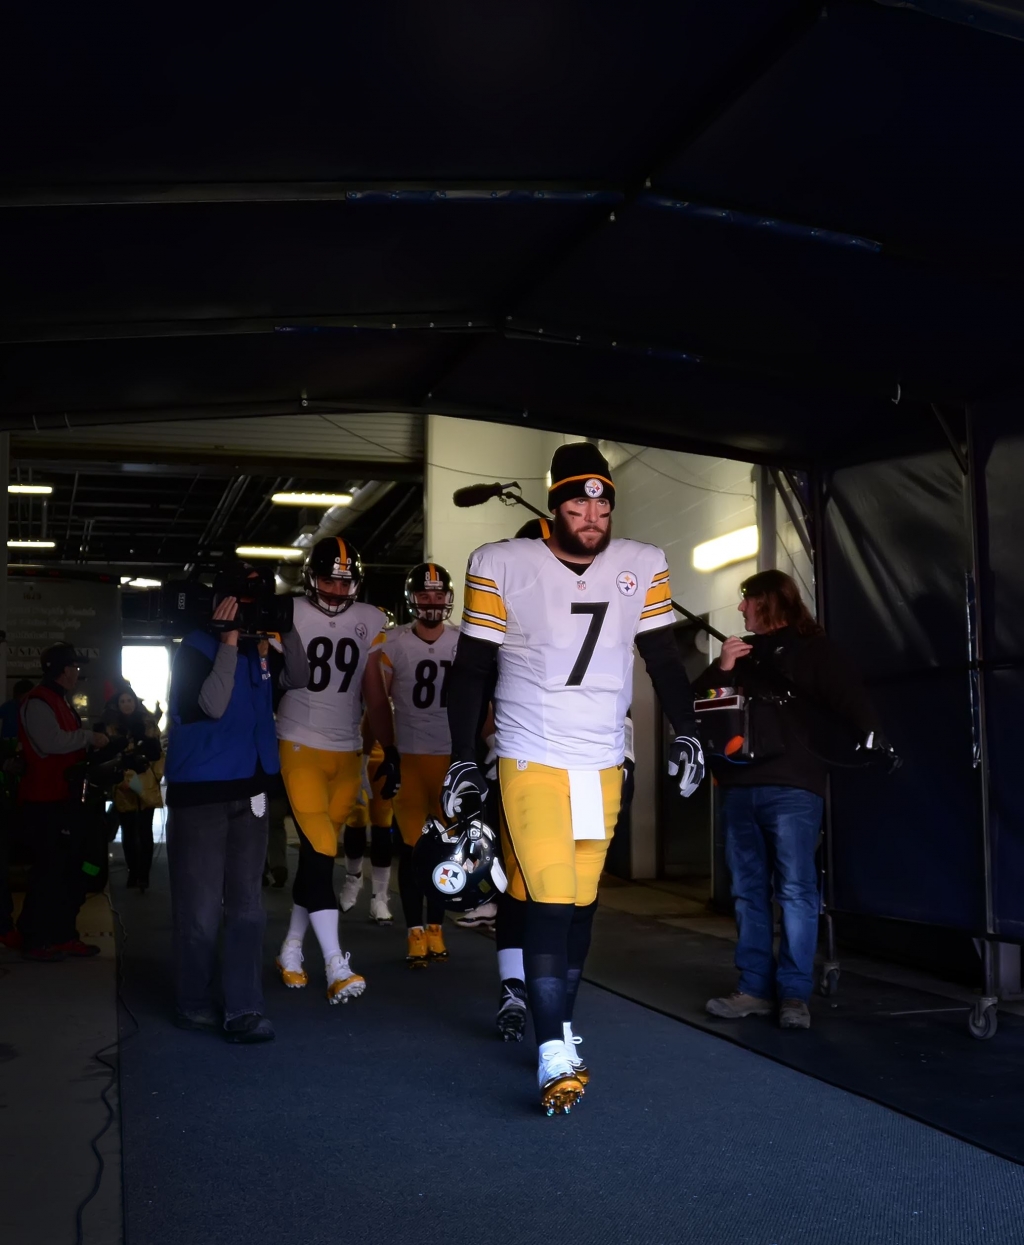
x=320, y=740
x=414, y=662
x=558, y=618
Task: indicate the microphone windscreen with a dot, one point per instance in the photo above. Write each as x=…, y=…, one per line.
x=476, y=494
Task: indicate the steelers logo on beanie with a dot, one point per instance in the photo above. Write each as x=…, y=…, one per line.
x=579, y=469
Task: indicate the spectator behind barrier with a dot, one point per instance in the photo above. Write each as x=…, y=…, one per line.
x=9, y=709
x=52, y=741
x=137, y=795
x=222, y=763
x=803, y=691
x=11, y=768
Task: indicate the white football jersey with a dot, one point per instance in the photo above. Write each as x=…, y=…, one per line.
x=326, y=713
x=419, y=688
x=565, y=666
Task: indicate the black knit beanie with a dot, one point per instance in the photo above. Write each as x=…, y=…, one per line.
x=579, y=469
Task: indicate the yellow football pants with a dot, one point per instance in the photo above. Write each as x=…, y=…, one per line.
x=419, y=797
x=322, y=787
x=379, y=812
x=555, y=867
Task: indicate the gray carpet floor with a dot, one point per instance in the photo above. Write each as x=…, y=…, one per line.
x=401, y=1118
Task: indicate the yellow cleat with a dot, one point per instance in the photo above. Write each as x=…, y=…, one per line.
x=436, y=949
x=289, y=962
x=417, y=956
x=342, y=983
x=560, y=1087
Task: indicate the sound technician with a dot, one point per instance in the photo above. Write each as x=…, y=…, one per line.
x=815, y=705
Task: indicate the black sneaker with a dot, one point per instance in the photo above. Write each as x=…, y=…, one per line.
x=198, y=1021
x=511, y=1019
x=252, y=1027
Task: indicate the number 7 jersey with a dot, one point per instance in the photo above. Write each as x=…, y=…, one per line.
x=327, y=712
x=565, y=666
x=419, y=689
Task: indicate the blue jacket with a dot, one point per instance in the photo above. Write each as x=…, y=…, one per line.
x=228, y=748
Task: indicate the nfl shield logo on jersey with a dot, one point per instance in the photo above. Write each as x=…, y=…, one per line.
x=593, y=488
x=449, y=878
x=626, y=583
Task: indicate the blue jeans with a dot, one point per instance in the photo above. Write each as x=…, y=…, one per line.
x=771, y=835
x=215, y=855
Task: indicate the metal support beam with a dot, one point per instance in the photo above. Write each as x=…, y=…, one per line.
x=767, y=535
x=795, y=517
x=148, y=461
x=954, y=443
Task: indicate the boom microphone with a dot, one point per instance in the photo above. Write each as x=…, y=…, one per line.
x=477, y=494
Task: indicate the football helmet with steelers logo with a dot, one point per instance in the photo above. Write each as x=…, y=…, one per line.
x=336, y=560
x=460, y=862
x=429, y=594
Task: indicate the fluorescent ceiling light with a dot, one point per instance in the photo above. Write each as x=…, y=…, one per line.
x=312, y=499
x=732, y=547
x=38, y=489
x=278, y=553
x=127, y=580
x=30, y=544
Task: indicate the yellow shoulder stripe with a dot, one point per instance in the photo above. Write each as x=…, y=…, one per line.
x=378, y=640
x=655, y=610
x=477, y=621
x=483, y=601
x=657, y=593
x=480, y=582
x=661, y=575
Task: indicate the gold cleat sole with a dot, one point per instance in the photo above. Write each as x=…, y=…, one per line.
x=582, y=1074
x=293, y=980
x=419, y=961
x=560, y=1095
x=437, y=957
x=344, y=991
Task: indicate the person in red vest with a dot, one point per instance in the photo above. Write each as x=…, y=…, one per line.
x=52, y=740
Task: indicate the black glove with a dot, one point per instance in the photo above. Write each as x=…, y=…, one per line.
x=464, y=791
x=628, y=768
x=878, y=749
x=686, y=758
x=390, y=769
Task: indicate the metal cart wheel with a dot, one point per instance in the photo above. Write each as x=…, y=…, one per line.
x=983, y=1020
x=829, y=983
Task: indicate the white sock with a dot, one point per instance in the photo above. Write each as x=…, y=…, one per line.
x=510, y=964
x=325, y=926
x=354, y=866
x=381, y=876
x=298, y=924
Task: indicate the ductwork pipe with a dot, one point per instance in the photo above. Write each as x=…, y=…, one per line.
x=332, y=523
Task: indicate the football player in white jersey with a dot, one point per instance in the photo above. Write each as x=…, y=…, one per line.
x=558, y=619
x=319, y=729
x=414, y=663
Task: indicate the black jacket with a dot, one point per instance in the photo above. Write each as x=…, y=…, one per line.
x=830, y=711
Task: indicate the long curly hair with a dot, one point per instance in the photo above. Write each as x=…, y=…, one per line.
x=779, y=603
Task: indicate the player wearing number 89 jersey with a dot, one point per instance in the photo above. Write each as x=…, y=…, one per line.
x=415, y=661
x=318, y=727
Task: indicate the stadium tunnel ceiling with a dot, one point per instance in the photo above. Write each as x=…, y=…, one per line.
x=765, y=228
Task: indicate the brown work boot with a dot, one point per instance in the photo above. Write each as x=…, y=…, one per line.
x=738, y=1005
x=794, y=1014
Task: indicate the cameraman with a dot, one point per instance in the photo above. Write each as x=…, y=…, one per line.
x=771, y=809
x=53, y=741
x=222, y=759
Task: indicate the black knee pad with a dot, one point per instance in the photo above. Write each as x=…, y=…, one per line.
x=314, y=879
x=355, y=841
x=380, y=846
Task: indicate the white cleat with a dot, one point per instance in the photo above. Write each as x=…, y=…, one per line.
x=350, y=890
x=560, y=1087
x=290, y=964
x=484, y=914
x=342, y=983
x=572, y=1050
x=379, y=910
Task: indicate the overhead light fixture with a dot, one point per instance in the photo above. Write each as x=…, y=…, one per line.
x=128, y=582
x=31, y=544
x=276, y=553
x=311, y=499
x=39, y=490
x=735, y=546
